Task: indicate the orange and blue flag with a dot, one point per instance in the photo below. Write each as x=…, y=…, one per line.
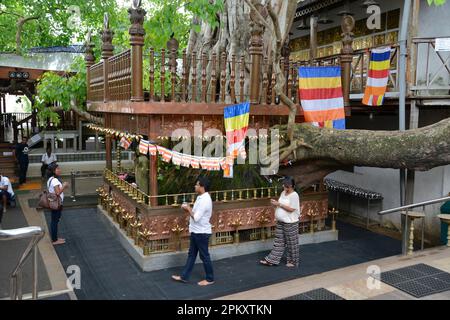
x=377, y=78
x=320, y=91
x=236, y=126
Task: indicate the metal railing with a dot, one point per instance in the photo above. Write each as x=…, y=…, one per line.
x=434, y=75
x=36, y=234
x=176, y=200
x=77, y=175
x=406, y=210
x=414, y=205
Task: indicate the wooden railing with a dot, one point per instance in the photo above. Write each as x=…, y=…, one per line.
x=432, y=74
x=217, y=79
x=176, y=200
x=179, y=78
x=21, y=123
x=96, y=85
x=119, y=76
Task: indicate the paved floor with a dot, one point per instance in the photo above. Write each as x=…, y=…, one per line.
x=354, y=282
x=107, y=272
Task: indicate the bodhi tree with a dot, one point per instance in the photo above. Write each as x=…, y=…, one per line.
x=316, y=152
x=227, y=26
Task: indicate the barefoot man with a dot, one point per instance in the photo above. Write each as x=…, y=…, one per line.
x=200, y=230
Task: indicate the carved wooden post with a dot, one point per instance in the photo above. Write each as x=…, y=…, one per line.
x=107, y=51
x=89, y=59
x=172, y=47
x=152, y=74
x=108, y=143
x=137, y=32
x=256, y=53
x=347, y=25
x=153, y=133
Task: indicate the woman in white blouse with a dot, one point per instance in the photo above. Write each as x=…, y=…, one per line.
x=287, y=215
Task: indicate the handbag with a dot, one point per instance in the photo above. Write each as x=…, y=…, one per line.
x=48, y=200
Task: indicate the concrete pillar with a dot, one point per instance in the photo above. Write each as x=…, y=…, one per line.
x=313, y=39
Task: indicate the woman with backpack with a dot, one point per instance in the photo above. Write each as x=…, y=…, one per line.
x=55, y=186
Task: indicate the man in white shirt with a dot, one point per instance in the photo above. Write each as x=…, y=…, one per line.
x=200, y=230
x=47, y=158
x=6, y=191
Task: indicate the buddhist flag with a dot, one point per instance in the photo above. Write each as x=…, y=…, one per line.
x=186, y=160
x=236, y=126
x=195, y=162
x=320, y=91
x=143, y=147
x=176, y=158
x=166, y=154
x=125, y=143
x=152, y=149
x=215, y=164
x=227, y=167
x=204, y=163
x=377, y=78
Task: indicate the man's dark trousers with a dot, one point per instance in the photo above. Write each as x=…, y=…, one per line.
x=23, y=167
x=198, y=244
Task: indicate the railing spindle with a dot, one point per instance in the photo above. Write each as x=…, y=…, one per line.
x=265, y=80
x=212, y=97
x=173, y=68
x=194, y=76
x=233, y=79
x=163, y=74
x=282, y=70
x=289, y=79
x=152, y=74
x=183, y=77
x=223, y=77
x=204, y=62
x=242, y=78
x=272, y=87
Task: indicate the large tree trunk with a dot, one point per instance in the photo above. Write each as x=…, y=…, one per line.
x=233, y=36
x=319, y=152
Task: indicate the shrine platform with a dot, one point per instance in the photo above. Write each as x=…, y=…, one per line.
x=165, y=260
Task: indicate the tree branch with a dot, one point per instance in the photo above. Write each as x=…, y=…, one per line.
x=258, y=15
x=329, y=150
x=11, y=13
x=275, y=22
x=20, y=24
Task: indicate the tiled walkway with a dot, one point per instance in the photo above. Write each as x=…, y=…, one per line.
x=107, y=272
